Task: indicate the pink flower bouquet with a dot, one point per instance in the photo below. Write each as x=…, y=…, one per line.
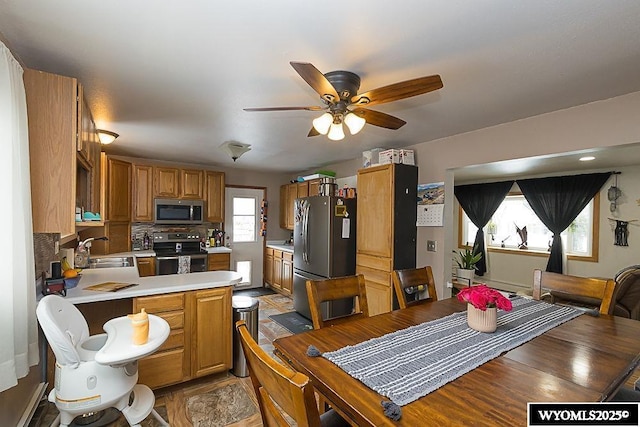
x=483, y=297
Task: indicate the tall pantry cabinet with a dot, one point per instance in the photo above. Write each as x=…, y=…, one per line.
x=386, y=229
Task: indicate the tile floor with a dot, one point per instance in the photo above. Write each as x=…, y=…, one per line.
x=217, y=400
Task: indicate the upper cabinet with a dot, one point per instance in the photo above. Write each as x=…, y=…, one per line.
x=192, y=184
x=166, y=182
x=142, y=193
x=175, y=183
x=119, y=190
x=214, y=199
x=64, y=152
x=288, y=195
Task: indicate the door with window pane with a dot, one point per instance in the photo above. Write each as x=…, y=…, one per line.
x=242, y=226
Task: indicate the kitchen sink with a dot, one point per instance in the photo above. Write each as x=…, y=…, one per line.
x=111, y=262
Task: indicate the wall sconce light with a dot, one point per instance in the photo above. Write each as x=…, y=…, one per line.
x=106, y=136
x=235, y=149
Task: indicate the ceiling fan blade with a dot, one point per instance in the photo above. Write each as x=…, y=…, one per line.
x=313, y=132
x=377, y=118
x=398, y=91
x=316, y=80
x=314, y=108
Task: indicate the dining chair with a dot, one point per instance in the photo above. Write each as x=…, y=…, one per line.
x=598, y=293
x=407, y=282
x=627, y=298
x=279, y=388
x=321, y=291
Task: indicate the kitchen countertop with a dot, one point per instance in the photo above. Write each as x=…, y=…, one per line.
x=280, y=245
x=151, y=285
x=218, y=250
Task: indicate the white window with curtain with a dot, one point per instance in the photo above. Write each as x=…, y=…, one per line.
x=515, y=211
x=18, y=325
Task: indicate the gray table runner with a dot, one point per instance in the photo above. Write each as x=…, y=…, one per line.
x=408, y=364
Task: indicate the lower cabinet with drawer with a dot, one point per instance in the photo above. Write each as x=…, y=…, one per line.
x=200, y=339
x=278, y=270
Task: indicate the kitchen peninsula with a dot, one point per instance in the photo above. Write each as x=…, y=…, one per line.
x=197, y=307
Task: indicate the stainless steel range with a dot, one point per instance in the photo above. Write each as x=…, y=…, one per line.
x=177, y=252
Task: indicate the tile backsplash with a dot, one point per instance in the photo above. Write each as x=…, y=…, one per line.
x=44, y=251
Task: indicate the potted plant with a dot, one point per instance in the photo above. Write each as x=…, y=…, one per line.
x=482, y=305
x=467, y=261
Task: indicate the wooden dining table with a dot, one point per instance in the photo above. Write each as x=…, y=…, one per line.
x=583, y=360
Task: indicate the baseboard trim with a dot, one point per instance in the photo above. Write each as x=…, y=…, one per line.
x=36, y=396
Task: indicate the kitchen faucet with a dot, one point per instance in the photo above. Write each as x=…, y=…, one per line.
x=81, y=259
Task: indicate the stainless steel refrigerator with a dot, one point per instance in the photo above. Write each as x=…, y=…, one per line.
x=324, y=238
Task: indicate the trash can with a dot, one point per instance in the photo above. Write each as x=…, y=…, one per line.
x=244, y=308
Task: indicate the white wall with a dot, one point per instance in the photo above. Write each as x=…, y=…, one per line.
x=599, y=124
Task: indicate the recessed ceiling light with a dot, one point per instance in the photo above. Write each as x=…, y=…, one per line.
x=587, y=158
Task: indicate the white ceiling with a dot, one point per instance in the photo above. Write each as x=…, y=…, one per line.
x=172, y=78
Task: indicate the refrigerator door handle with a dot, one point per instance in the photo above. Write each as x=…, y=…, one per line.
x=305, y=231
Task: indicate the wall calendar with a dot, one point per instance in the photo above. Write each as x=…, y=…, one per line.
x=430, y=205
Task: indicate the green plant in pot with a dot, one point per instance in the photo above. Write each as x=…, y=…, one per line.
x=467, y=261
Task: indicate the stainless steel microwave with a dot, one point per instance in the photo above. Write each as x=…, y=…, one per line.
x=178, y=211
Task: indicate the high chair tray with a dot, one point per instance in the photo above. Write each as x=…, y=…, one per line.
x=119, y=348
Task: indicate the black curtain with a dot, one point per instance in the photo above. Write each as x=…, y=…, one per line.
x=557, y=201
x=480, y=201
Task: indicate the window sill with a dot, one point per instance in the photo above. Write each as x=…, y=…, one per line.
x=529, y=252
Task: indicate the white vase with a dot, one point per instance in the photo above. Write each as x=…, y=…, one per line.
x=482, y=321
x=467, y=274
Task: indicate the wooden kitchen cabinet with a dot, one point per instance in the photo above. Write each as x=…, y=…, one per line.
x=314, y=187
x=146, y=266
x=192, y=184
x=386, y=229
x=212, y=328
x=302, y=189
x=170, y=364
x=118, y=190
x=287, y=273
x=268, y=266
x=288, y=195
x=142, y=190
x=214, y=200
x=166, y=182
x=278, y=270
x=219, y=261
x=292, y=195
x=61, y=177
x=200, y=341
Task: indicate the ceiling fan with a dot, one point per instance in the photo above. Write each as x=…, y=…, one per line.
x=339, y=92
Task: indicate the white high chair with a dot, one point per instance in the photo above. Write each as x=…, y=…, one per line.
x=97, y=372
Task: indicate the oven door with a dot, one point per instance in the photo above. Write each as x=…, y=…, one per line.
x=198, y=263
x=166, y=265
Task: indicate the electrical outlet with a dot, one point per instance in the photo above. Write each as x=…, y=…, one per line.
x=431, y=246
x=449, y=285
x=56, y=247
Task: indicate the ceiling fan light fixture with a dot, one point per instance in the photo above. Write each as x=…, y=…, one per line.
x=106, y=136
x=336, y=133
x=354, y=122
x=322, y=123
